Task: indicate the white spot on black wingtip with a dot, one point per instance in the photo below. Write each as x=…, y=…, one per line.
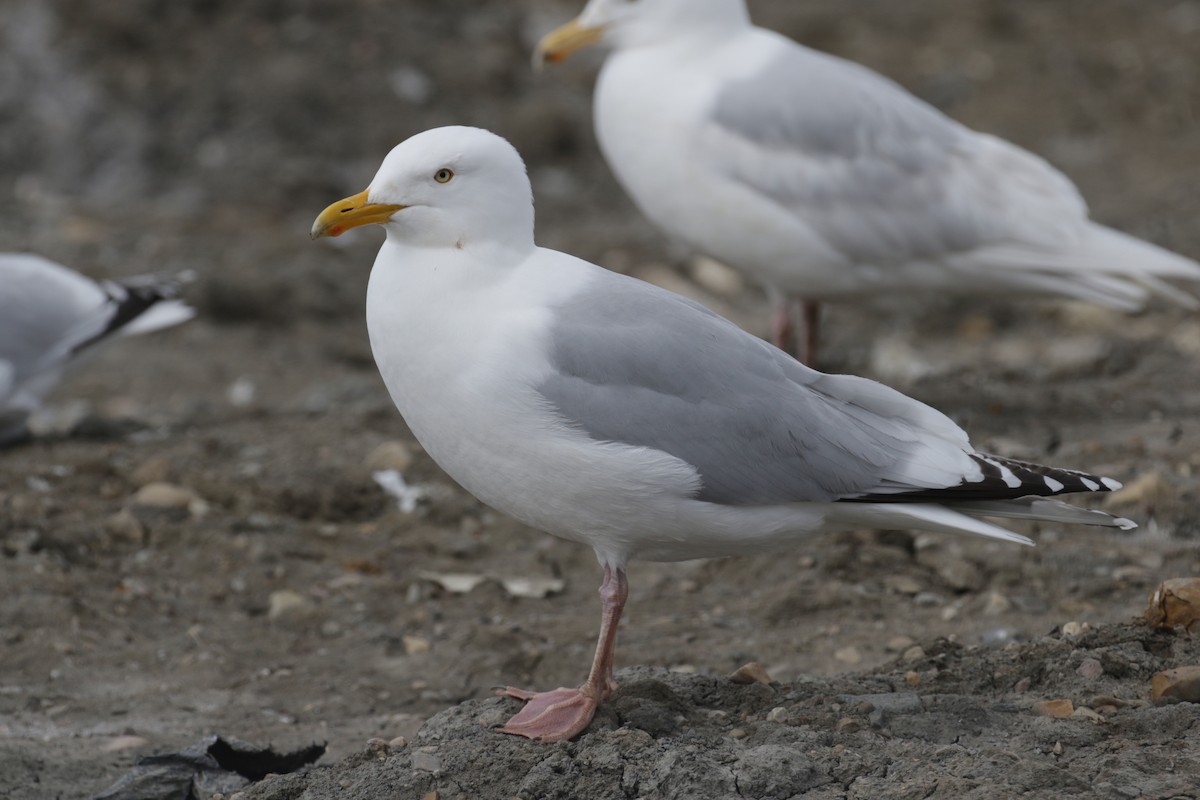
x=1110, y=484
x=1053, y=485
x=1090, y=484
x=1125, y=524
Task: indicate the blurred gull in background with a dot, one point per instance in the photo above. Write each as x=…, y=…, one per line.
x=823, y=180
x=51, y=318
x=609, y=412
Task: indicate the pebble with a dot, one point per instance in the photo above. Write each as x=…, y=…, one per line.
x=168, y=496
x=912, y=678
x=1145, y=491
x=848, y=655
x=389, y=455
x=415, y=645
x=1022, y=686
x=398, y=743
x=1083, y=712
x=958, y=573
x=913, y=654
x=929, y=599
x=285, y=601
x=1074, y=630
x=898, y=644
x=156, y=469
x=777, y=714
x=902, y=584
x=1179, y=684
x=716, y=277
x=124, y=743
x=125, y=526
x=534, y=588
x=996, y=604
x=752, y=672
x=848, y=725
x=1175, y=603
x=425, y=761
x=1090, y=668
x=1054, y=708
x=738, y=733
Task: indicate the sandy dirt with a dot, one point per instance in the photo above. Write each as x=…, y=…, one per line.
x=278, y=594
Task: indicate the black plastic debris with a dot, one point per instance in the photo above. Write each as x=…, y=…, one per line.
x=214, y=764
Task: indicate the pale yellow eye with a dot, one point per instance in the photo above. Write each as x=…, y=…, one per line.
x=443, y=175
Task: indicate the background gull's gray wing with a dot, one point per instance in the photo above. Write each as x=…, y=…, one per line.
x=641, y=366
x=50, y=314
x=880, y=175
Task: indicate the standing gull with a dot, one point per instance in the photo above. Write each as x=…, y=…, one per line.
x=823, y=180
x=606, y=411
x=51, y=318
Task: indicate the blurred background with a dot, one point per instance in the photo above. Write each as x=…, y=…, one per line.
x=285, y=596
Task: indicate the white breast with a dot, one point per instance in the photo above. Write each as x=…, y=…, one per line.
x=462, y=350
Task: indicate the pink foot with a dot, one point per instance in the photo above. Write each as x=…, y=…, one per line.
x=550, y=716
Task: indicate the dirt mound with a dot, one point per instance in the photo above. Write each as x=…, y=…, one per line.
x=1058, y=717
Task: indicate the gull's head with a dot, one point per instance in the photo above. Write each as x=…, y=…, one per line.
x=630, y=23
x=446, y=187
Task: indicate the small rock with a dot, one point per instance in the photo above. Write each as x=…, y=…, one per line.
x=1022, y=686
x=1090, y=668
x=1054, y=708
x=996, y=604
x=929, y=600
x=959, y=574
x=125, y=526
x=848, y=655
x=1073, y=630
x=432, y=795
x=913, y=654
x=752, y=672
x=285, y=601
x=912, y=678
x=738, y=733
x=1083, y=712
x=715, y=277
x=377, y=746
x=1175, y=604
x=415, y=645
x=389, y=455
x=848, y=725
x=398, y=743
x=1174, y=685
x=425, y=761
x=902, y=584
x=778, y=714
x=156, y=469
x=169, y=497
x=898, y=644
x=124, y=743
x=1145, y=491
x=535, y=588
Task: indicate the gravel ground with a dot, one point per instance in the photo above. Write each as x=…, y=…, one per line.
x=195, y=544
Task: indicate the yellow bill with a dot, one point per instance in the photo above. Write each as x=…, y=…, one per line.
x=560, y=43
x=353, y=212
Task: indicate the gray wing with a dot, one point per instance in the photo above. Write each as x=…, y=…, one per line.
x=45, y=309
x=641, y=366
x=880, y=175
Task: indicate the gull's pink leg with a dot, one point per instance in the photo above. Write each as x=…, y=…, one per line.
x=563, y=713
x=811, y=314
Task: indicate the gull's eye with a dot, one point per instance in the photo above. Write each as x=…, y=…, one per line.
x=443, y=175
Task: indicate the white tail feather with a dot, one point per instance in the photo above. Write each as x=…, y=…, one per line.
x=162, y=314
x=1104, y=266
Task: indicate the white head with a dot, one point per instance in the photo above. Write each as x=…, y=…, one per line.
x=446, y=187
x=632, y=23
